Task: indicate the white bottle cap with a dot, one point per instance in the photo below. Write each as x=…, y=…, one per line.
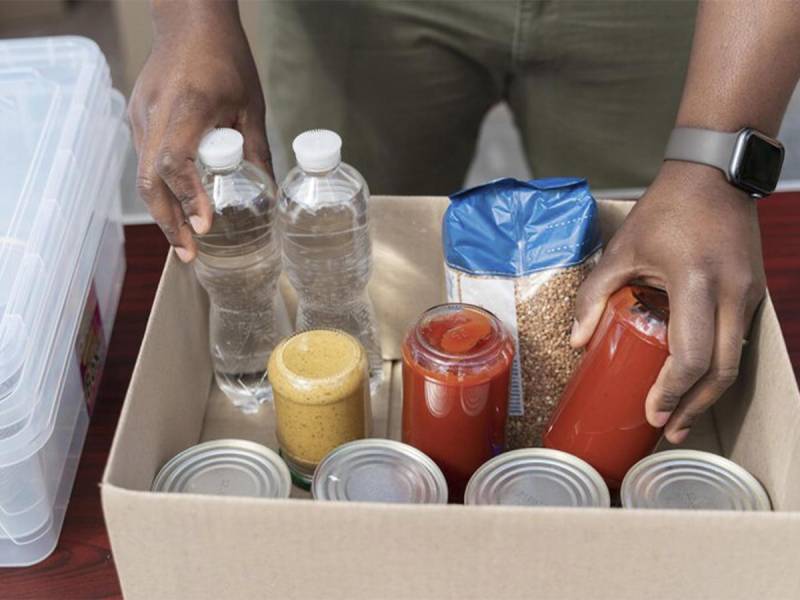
x=221, y=148
x=318, y=150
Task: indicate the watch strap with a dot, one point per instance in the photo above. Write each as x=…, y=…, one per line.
x=705, y=146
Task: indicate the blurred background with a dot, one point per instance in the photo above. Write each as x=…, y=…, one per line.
x=122, y=30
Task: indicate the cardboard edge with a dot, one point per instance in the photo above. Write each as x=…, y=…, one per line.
x=114, y=494
x=126, y=404
x=169, y=524
x=769, y=313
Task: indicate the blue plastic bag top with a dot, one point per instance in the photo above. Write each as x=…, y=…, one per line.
x=510, y=227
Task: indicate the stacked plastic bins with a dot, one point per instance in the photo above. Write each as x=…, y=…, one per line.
x=61, y=269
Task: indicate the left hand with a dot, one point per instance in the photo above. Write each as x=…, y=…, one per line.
x=697, y=237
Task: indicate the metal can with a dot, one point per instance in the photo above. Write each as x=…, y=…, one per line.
x=378, y=470
x=537, y=477
x=691, y=479
x=226, y=468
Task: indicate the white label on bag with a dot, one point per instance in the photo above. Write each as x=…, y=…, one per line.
x=495, y=294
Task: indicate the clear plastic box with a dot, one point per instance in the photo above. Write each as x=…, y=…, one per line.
x=54, y=107
x=61, y=270
x=26, y=412
x=34, y=492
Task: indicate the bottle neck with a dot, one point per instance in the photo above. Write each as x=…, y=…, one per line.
x=320, y=172
x=227, y=170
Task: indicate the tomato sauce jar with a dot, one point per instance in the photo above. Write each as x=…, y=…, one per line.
x=600, y=416
x=456, y=367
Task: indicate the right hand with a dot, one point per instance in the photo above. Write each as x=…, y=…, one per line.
x=200, y=74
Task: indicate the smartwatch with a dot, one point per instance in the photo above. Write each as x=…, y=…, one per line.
x=751, y=160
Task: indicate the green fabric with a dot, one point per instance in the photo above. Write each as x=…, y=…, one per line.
x=594, y=86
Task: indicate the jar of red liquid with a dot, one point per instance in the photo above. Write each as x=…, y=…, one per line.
x=456, y=367
x=600, y=416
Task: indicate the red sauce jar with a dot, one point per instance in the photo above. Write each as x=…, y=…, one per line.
x=600, y=416
x=456, y=367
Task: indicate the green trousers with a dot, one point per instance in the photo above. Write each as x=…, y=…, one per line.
x=594, y=86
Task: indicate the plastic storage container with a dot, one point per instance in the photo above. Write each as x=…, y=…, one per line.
x=55, y=106
x=61, y=269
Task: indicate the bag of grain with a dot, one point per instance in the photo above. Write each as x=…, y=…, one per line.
x=521, y=249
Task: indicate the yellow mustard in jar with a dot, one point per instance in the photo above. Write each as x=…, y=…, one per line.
x=320, y=384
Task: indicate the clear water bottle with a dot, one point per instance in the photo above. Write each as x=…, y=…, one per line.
x=238, y=264
x=327, y=253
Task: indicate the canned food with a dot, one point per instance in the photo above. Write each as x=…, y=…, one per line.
x=226, y=468
x=378, y=470
x=691, y=479
x=538, y=477
x=321, y=391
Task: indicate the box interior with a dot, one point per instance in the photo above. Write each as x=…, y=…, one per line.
x=191, y=546
x=757, y=423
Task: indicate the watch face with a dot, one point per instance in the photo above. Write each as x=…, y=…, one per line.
x=759, y=165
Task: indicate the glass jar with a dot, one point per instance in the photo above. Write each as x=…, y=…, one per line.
x=456, y=367
x=601, y=416
x=321, y=389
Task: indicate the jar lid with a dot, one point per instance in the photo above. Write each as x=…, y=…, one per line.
x=379, y=470
x=226, y=468
x=691, y=479
x=316, y=360
x=459, y=336
x=645, y=309
x=537, y=477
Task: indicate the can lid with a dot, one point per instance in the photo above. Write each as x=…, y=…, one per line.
x=691, y=479
x=537, y=477
x=459, y=338
x=226, y=468
x=379, y=470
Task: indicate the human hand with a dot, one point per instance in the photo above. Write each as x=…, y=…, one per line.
x=200, y=74
x=696, y=236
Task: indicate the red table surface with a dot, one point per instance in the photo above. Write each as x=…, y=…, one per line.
x=82, y=566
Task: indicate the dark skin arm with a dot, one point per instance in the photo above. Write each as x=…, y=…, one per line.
x=200, y=74
x=694, y=234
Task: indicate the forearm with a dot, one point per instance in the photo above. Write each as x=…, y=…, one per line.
x=171, y=16
x=744, y=66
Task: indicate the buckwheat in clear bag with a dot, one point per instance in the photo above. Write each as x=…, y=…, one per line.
x=521, y=250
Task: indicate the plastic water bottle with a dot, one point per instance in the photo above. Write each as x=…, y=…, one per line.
x=327, y=253
x=238, y=264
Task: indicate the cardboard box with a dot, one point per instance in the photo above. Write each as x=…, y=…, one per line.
x=191, y=546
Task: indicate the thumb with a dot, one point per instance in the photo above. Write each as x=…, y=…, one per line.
x=606, y=278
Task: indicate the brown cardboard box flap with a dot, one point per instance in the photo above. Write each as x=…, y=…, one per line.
x=171, y=546
x=188, y=546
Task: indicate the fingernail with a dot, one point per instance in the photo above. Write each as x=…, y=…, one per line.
x=660, y=418
x=573, y=335
x=197, y=223
x=680, y=436
x=183, y=254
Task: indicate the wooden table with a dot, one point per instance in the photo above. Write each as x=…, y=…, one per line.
x=82, y=565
